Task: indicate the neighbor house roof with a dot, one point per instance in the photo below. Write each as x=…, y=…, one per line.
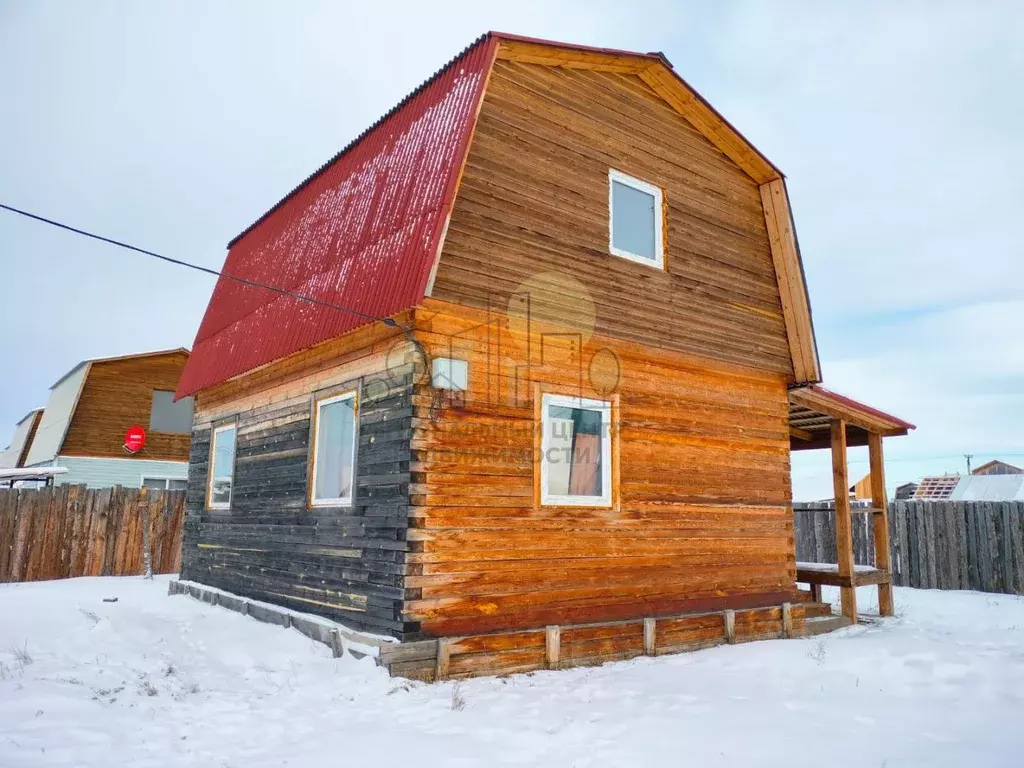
x=997, y=467
x=156, y=353
x=359, y=239
x=989, y=488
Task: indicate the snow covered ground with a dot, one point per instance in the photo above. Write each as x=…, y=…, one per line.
x=153, y=680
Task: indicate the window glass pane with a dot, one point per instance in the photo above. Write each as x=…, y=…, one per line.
x=223, y=466
x=154, y=483
x=165, y=415
x=574, y=439
x=633, y=220
x=177, y=485
x=335, y=449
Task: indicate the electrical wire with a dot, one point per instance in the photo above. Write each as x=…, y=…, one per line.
x=199, y=268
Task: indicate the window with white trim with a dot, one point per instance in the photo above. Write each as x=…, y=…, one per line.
x=165, y=483
x=635, y=225
x=222, y=467
x=576, y=451
x=334, y=451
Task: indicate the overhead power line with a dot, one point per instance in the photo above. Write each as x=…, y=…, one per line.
x=199, y=268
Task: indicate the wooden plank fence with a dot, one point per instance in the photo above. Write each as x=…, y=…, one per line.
x=67, y=531
x=934, y=544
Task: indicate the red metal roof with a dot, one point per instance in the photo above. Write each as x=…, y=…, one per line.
x=360, y=233
x=849, y=402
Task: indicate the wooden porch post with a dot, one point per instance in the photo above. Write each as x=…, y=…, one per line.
x=880, y=501
x=844, y=522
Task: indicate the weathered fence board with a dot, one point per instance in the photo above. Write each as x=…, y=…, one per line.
x=68, y=531
x=934, y=544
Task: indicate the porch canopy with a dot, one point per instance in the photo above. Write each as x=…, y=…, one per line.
x=812, y=409
x=822, y=419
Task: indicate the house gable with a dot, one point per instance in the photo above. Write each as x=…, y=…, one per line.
x=117, y=394
x=532, y=218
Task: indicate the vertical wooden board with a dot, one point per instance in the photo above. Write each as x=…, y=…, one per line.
x=911, y=532
x=933, y=547
x=949, y=562
x=1004, y=572
x=960, y=524
x=984, y=545
x=904, y=532
x=821, y=546
x=971, y=516
x=111, y=524
x=897, y=544
x=6, y=534
x=177, y=533
x=37, y=523
x=1017, y=544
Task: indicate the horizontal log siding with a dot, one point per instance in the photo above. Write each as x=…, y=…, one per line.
x=345, y=563
x=703, y=521
x=534, y=199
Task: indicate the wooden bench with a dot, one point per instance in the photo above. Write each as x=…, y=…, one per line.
x=819, y=574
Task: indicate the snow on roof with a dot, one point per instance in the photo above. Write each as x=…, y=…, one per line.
x=989, y=488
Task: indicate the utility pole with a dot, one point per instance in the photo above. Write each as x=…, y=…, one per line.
x=968, y=456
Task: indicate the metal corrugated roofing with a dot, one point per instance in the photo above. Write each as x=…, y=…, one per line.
x=360, y=233
x=989, y=488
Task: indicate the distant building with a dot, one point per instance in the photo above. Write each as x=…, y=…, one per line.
x=905, y=491
x=24, y=432
x=997, y=467
x=90, y=410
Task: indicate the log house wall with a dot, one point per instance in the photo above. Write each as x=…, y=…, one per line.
x=345, y=563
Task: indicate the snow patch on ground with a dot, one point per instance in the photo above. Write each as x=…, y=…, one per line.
x=153, y=680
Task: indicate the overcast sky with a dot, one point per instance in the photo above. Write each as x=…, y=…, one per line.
x=173, y=125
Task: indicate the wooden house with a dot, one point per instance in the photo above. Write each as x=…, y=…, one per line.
x=24, y=432
x=997, y=467
x=523, y=389
x=90, y=410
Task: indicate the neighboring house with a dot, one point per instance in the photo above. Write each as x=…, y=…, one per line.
x=862, y=488
x=92, y=407
x=996, y=467
x=552, y=351
x=24, y=433
x=905, y=492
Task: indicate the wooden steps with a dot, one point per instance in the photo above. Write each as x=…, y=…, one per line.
x=819, y=625
x=813, y=610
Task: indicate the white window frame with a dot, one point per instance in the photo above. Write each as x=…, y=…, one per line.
x=210, y=503
x=605, y=408
x=166, y=480
x=659, y=223
x=318, y=405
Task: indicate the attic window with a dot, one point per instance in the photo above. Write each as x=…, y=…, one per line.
x=635, y=223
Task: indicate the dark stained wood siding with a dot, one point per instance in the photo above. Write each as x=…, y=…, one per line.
x=702, y=518
x=346, y=563
x=118, y=394
x=534, y=199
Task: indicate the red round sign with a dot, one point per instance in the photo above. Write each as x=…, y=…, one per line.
x=135, y=438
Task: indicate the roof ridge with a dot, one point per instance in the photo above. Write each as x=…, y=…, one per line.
x=365, y=132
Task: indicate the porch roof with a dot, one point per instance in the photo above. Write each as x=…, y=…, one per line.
x=813, y=408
